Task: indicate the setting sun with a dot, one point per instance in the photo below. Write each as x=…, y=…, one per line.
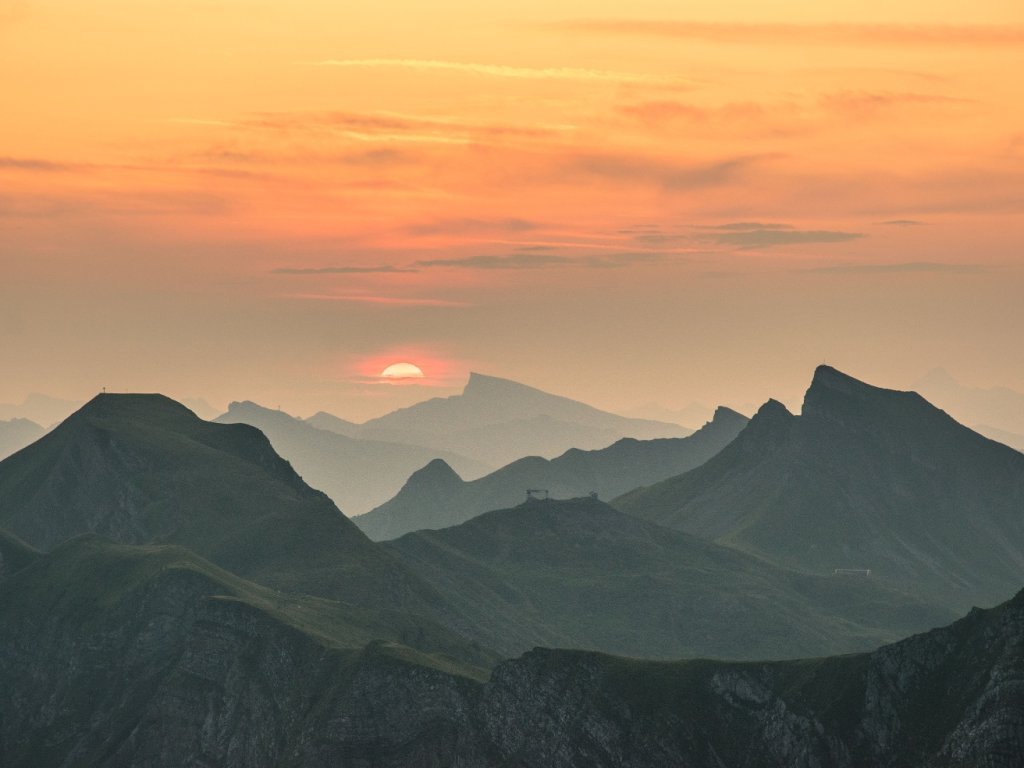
x=402, y=371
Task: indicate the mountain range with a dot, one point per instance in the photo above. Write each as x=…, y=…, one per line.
x=994, y=408
x=15, y=434
x=357, y=473
x=864, y=478
x=144, y=470
x=436, y=497
x=114, y=656
x=580, y=574
x=497, y=421
x=173, y=593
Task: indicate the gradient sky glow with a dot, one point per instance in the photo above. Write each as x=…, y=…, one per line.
x=619, y=201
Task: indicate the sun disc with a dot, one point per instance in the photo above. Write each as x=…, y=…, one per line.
x=402, y=371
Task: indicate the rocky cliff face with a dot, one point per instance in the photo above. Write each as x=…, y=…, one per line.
x=167, y=672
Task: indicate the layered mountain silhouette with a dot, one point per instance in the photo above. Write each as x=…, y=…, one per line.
x=497, y=421
x=42, y=409
x=114, y=656
x=143, y=469
x=578, y=573
x=16, y=434
x=436, y=497
x=358, y=474
x=864, y=478
x=993, y=408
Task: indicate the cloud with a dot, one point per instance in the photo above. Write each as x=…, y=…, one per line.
x=529, y=260
x=389, y=301
x=902, y=223
x=865, y=102
x=378, y=269
x=906, y=267
x=768, y=238
x=744, y=226
x=396, y=127
x=492, y=70
x=853, y=35
x=32, y=164
x=658, y=173
x=472, y=226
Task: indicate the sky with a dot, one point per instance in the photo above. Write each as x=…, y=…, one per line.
x=622, y=202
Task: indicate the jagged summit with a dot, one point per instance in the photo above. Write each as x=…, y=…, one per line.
x=726, y=415
x=833, y=391
x=865, y=475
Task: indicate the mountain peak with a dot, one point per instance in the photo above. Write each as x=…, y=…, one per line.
x=435, y=470
x=481, y=384
x=725, y=416
x=136, y=406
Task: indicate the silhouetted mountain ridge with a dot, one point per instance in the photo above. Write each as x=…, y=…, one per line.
x=436, y=499
x=864, y=478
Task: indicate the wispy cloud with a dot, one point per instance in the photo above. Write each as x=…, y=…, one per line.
x=744, y=226
x=389, y=301
x=468, y=226
x=806, y=34
x=866, y=102
x=493, y=70
x=377, y=269
x=910, y=266
x=542, y=260
x=768, y=238
x=32, y=164
x=902, y=223
x=529, y=260
x=624, y=168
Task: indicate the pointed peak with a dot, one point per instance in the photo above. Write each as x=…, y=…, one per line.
x=436, y=470
x=480, y=383
x=772, y=409
x=724, y=415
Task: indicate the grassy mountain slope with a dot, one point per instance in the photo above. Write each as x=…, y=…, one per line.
x=142, y=469
x=114, y=656
x=580, y=574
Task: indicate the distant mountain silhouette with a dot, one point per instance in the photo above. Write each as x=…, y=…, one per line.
x=143, y=469
x=436, y=497
x=1001, y=436
x=356, y=473
x=864, y=478
x=16, y=434
x=331, y=423
x=577, y=573
x=498, y=421
x=999, y=408
x=42, y=409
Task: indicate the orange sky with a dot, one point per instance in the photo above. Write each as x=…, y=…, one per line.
x=623, y=203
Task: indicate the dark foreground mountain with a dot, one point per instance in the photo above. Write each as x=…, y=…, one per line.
x=16, y=434
x=498, y=421
x=581, y=574
x=864, y=478
x=117, y=657
x=436, y=497
x=143, y=469
x=357, y=474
